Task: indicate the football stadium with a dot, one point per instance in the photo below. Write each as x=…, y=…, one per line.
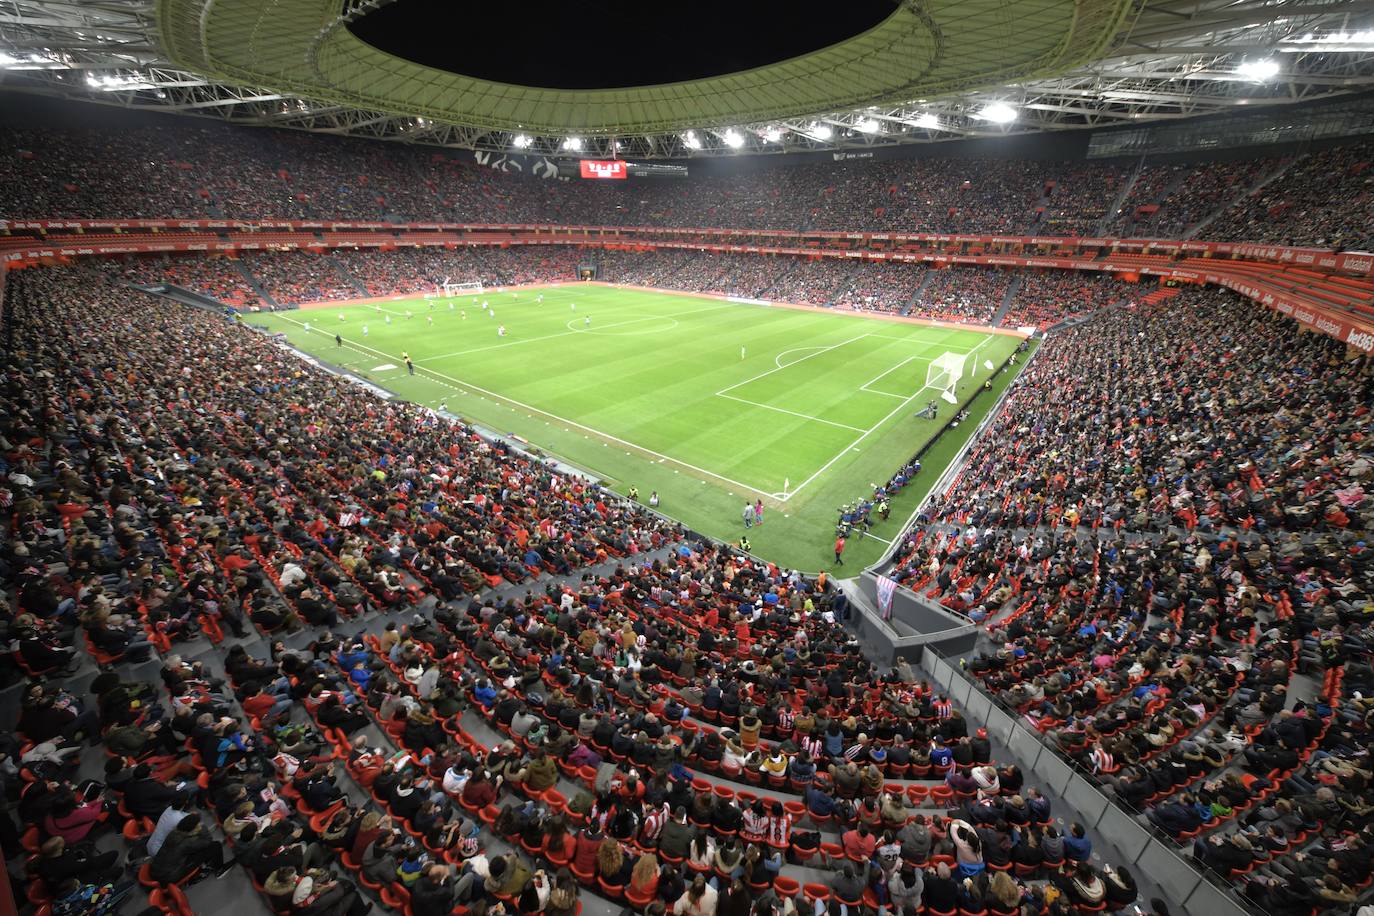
x=906, y=458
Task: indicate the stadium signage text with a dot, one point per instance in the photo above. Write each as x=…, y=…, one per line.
x=595, y=168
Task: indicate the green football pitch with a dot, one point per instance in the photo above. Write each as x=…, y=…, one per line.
x=710, y=403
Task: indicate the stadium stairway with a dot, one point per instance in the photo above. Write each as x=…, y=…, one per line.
x=1145, y=227
x=1007, y=298
x=926, y=276
x=1110, y=216
x=347, y=277
x=253, y=283
x=844, y=286
x=1240, y=196
x=779, y=279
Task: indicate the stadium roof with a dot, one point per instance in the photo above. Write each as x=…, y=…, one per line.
x=932, y=70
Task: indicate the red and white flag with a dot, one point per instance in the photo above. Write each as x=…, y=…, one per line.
x=886, y=586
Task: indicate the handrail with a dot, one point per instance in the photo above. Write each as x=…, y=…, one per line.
x=1202, y=892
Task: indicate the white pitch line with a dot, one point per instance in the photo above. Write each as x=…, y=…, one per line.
x=804, y=416
x=525, y=340
x=864, y=386
x=571, y=423
x=777, y=360
x=819, y=351
x=927, y=346
x=980, y=345
x=862, y=436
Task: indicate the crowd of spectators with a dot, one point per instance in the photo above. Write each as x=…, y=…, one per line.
x=1045, y=298
x=882, y=286
x=758, y=276
x=1161, y=528
x=296, y=277
x=1324, y=199
x=1150, y=185
x=217, y=171
x=536, y=264
x=412, y=270
x=216, y=277
x=291, y=277
x=814, y=282
x=1079, y=201
x=1176, y=196
x=967, y=294
x=642, y=268
x=682, y=728
x=424, y=270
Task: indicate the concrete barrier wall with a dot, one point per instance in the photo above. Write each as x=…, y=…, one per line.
x=923, y=624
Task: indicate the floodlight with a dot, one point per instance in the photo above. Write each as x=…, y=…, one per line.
x=868, y=126
x=928, y=121
x=733, y=138
x=573, y=143
x=522, y=141
x=1259, y=70
x=821, y=131
x=998, y=113
x=691, y=140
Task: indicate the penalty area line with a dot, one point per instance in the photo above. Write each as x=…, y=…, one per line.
x=571, y=423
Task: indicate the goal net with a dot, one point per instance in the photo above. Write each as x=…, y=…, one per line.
x=944, y=372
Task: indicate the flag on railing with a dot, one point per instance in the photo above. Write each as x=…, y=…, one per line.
x=886, y=586
x=348, y=519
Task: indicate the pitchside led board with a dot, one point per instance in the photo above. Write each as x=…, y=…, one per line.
x=619, y=169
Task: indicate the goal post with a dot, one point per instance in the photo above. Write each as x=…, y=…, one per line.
x=944, y=372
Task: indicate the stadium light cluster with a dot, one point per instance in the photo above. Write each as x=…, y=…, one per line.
x=115, y=82
x=1259, y=70
x=998, y=113
x=1250, y=52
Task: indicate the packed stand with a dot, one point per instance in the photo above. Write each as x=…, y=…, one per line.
x=1146, y=191
x=814, y=282
x=967, y=294
x=882, y=286
x=1324, y=199
x=536, y=264
x=1045, y=298
x=1079, y=202
x=689, y=729
x=757, y=276
x=642, y=268
x=417, y=270
x=214, y=277
x=1175, y=197
x=224, y=172
x=1154, y=569
x=294, y=277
